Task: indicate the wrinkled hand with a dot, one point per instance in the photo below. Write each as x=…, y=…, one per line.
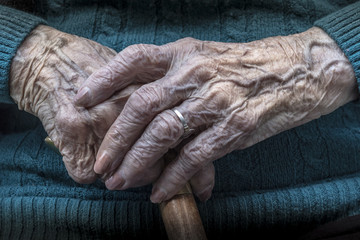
x=45, y=74
x=234, y=95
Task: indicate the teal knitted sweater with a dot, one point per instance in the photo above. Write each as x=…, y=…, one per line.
x=293, y=181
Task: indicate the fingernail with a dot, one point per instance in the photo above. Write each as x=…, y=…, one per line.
x=205, y=196
x=103, y=164
x=206, y=193
x=158, y=196
x=82, y=97
x=114, y=183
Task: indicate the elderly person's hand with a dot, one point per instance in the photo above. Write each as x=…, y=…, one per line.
x=233, y=95
x=45, y=75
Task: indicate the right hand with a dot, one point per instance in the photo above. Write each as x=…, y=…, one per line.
x=233, y=95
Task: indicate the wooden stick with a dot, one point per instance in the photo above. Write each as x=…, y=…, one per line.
x=181, y=217
x=180, y=214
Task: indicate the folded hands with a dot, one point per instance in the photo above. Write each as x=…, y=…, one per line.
x=112, y=115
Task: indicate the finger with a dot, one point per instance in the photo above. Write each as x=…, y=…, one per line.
x=85, y=175
x=116, y=180
x=202, y=183
x=141, y=63
x=205, y=148
x=148, y=149
x=79, y=161
x=160, y=135
x=103, y=115
x=142, y=106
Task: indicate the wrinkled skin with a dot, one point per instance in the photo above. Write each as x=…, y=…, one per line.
x=233, y=94
x=45, y=75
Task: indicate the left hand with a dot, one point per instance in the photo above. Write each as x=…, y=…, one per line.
x=233, y=94
x=46, y=72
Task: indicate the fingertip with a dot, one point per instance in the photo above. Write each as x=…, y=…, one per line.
x=115, y=182
x=205, y=195
x=82, y=176
x=203, y=182
x=103, y=164
x=158, y=195
x=82, y=98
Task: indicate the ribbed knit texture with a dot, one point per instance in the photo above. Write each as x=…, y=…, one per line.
x=297, y=179
x=14, y=27
x=344, y=28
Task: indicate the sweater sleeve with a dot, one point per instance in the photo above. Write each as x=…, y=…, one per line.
x=344, y=27
x=14, y=27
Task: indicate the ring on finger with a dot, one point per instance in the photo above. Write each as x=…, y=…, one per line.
x=187, y=130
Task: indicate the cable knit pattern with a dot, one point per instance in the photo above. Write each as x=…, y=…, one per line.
x=299, y=179
x=14, y=27
x=344, y=28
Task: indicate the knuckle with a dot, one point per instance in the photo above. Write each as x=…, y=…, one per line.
x=218, y=97
x=165, y=128
x=137, y=163
x=246, y=121
x=148, y=61
x=71, y=124
x=145, y=101
x=128, y=58
x=186, y=45
x=139, y=52
x=116, y=138
x=178, y=175
x=192, y=160
x=147, y=93
x=105, y=78
x=132, y=50
x=200, y=68
x=187, y=40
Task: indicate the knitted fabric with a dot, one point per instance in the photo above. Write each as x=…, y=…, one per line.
x=293, y=181
x=14, y=27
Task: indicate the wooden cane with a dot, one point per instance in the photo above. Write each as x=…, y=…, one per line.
x=180, y=214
